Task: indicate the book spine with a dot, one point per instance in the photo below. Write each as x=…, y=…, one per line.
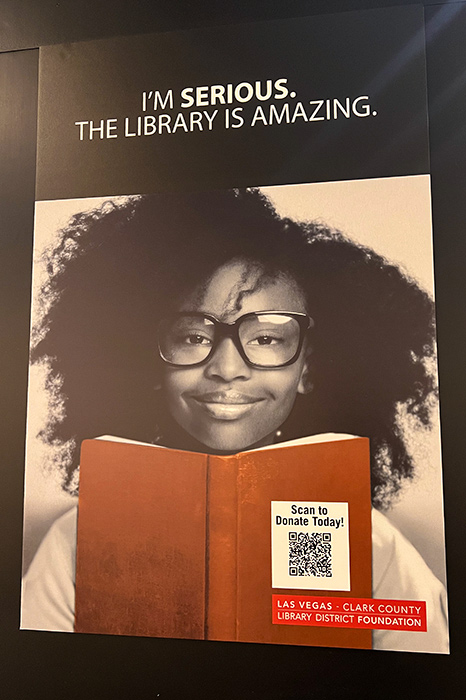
x=221, y=549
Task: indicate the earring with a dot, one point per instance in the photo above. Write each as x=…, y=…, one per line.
x=278, y=434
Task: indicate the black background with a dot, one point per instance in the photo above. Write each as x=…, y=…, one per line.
x=377, y=53
x=53, y=665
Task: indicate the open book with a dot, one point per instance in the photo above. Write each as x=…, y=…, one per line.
x=183, y=544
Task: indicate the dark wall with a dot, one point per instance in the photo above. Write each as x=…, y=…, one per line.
x=36, y=665
x=27, y=24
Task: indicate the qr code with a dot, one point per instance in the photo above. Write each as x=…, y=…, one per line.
x=310, y=554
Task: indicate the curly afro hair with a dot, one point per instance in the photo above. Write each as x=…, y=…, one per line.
x=116, y=269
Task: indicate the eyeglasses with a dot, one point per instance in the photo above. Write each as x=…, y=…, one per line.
x=264, y=339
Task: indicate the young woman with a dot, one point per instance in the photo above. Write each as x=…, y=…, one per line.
x=207, y=322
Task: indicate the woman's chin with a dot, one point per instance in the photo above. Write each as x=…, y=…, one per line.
x=233, y=446
x=226, y=441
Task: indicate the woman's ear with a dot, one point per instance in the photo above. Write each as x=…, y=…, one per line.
x=305, y=384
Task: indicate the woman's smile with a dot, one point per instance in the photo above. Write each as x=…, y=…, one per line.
x=227, y=404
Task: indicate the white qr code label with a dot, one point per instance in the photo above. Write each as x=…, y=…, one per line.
x=310, y=545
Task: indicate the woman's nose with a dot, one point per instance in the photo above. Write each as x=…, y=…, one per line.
x=227, y=363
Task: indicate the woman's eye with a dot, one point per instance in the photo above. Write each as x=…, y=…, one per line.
x=197, y=339
x=264, y=340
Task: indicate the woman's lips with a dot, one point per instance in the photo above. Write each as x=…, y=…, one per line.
x=226, y=405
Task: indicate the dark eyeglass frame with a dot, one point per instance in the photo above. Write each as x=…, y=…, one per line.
x=231, y=330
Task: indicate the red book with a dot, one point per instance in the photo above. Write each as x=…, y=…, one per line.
x=182, y=544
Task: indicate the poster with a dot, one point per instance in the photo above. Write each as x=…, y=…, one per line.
x=279, y=108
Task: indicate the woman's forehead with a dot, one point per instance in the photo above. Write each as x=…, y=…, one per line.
x=240, y=287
